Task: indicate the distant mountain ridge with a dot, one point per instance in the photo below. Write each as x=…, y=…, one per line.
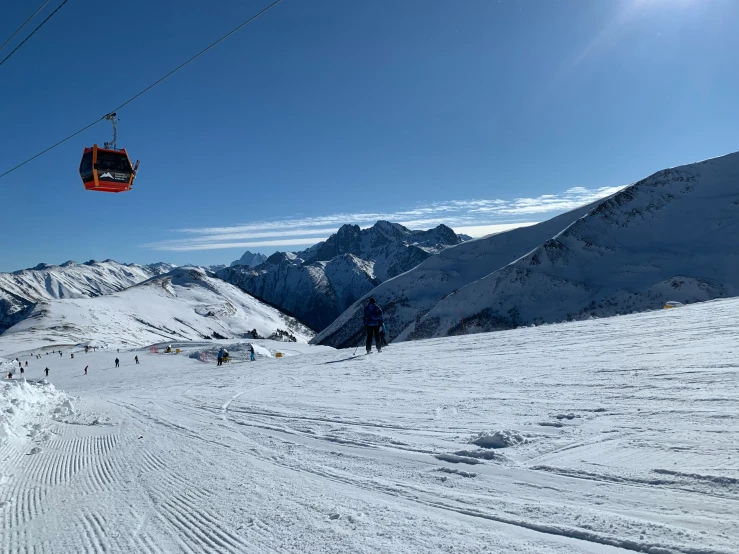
x=250, y=259
x=407, y=297
x=671, y=236
x=317, y=284
x=184, y=304
x=21, y=290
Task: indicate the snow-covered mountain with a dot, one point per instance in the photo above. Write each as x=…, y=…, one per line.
x=187, y=303
x=318, y=284
x=393, y=248
x=671, y=236
x=21, y=290
x=413, y=293
x=250, y=258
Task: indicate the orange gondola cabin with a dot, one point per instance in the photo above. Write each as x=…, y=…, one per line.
x=107, y=169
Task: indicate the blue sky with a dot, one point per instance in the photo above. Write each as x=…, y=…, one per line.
x=326, y=112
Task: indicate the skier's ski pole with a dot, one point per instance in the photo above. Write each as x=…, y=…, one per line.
x=357, y=348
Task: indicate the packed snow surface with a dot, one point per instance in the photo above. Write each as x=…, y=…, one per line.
x=609, y=435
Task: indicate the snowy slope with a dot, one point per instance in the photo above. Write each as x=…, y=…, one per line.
x=607, y=436
x=671, y=236
x=319, y=283
x=20, y=290
x=185, y=304
x=413, y=293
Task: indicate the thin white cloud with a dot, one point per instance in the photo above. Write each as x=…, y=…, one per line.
x=255, y=244
x=477, y=231
x=494, y=214
x=242, y=235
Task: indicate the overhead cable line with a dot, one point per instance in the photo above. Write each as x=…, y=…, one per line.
x=23, y=26
x=33, y=32
x=155, y=83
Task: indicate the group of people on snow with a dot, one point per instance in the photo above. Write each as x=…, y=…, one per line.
x=21, y=367
x=223, y=355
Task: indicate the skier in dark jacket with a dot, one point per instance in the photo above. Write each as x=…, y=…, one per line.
x=373, y=321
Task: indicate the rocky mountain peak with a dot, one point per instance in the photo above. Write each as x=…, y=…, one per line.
x=250, y=259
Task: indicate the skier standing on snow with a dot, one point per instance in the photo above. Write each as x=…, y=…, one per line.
x=372, y=321
x=220, y=357
x=86, y=369
x=137, y=359
x=47, y=371
x=251, y=353
x=21, y=371
x=117, y=362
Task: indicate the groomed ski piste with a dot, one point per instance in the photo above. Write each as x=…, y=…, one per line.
x=608, y=435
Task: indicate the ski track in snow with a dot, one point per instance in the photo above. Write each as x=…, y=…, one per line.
x=616, y=435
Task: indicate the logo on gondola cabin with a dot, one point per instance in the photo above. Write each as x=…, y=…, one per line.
x=108, y=175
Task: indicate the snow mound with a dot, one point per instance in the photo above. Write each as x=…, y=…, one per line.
x=498, y=439
x=25, y=406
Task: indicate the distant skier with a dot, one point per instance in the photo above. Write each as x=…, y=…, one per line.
x=251, y=353
x=220, y=357
x=26, y=363
x=137, y=359
x=72, y=355
x=372, y=321
x=60, y=353
x=22, y=371
x=10, y=374
x=117, y=362
x=46, y=371
x=86, y=369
